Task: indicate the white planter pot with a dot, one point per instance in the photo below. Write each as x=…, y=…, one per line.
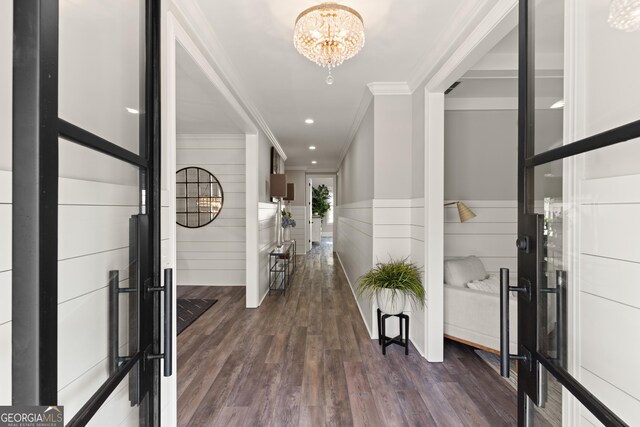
x=391, y=302
x=286, y=234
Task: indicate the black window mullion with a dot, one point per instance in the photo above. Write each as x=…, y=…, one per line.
x=34, y=331
x=604, y=139
x=83, y=137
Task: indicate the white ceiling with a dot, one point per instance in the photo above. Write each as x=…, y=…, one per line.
x=404, y=41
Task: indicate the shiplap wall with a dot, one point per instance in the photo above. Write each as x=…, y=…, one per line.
x=418, y=321
x=609, y=299
x=214, y=255
x=353, y=243
x=490, y=236
x=297, y=232
x=93, y=239
x=5, y=288
x=372, y=231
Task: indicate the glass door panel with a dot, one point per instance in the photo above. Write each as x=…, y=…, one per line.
x=548, y=72
x=97, y=318
x=101, y=64
x=578, y=261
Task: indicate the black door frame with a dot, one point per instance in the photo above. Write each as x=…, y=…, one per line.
x=36, y=129
x=528, y=269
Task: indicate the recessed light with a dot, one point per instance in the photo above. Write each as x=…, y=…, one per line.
x=312, y=147
x=558, y=104
x=309, y=121
x=313, y=162
x=133, y=110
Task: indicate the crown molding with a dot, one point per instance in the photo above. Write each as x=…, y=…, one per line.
x=295, y=168
x=389, y=88
x=365, y=101
x=216, y=136
x=208, y=40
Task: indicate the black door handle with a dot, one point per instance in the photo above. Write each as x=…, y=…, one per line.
x=167, y=355
x=505, y=357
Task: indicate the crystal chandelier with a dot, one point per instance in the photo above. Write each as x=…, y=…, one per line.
x=328, y=34
x=625, y=15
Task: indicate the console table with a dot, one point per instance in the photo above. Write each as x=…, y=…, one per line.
x=282, y=264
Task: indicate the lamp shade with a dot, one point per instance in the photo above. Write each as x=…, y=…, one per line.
x=291, y=192
x=278, y=185
x=464, y=212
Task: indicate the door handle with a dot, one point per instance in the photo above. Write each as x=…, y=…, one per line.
x=505, y=356
x=167, y=355
x=560, y=292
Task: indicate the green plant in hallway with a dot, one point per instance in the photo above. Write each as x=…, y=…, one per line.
x=320, y=201
x=392, y=283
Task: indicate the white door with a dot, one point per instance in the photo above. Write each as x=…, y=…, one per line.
x=309, y=224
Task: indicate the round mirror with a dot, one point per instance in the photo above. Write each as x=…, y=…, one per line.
x=199, y=197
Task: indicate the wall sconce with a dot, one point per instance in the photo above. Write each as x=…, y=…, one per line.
x=464, y=212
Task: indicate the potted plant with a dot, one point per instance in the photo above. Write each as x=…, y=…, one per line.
x=287, y=223
x=393, y=283
x=320, y=201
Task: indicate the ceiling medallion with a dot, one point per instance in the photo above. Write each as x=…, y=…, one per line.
x=328, y=34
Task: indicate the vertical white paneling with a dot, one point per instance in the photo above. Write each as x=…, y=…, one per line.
x=266, y=242
x=225, y=157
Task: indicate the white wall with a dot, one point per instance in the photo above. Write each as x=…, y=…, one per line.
x=607, y=295
x=392, y=148
x=6, y=52
x=481, y=153
x=215, y=255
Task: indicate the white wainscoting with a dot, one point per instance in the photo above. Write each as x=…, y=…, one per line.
x=215, y=255
x=376, y=230
x=490, y=236
x=609, y=301
x=353, y=242
x=298, y=232
x=266, y=240
x=418, y=321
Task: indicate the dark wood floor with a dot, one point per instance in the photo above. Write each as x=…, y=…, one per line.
x=307, y=359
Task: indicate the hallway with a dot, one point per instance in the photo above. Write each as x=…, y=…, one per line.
x=307, y=359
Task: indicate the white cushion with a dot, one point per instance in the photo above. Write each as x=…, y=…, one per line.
x=458, y=272
x=490, y=284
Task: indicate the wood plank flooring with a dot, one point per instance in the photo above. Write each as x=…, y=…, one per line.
x=306, y=359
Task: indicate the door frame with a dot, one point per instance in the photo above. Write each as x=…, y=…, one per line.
x=37, y=128
x=498, y=22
